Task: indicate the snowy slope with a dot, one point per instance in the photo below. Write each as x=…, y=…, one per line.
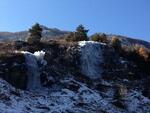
x=85, y=100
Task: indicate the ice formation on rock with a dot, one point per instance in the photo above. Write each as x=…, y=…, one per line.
x=91, y=58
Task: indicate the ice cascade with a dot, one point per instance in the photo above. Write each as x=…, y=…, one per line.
x=91, y=58
x=31, y=61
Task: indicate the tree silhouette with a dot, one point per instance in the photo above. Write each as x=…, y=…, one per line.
x=35, y=34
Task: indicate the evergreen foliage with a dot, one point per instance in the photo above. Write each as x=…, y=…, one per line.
x=79, y=35
x=35, y=34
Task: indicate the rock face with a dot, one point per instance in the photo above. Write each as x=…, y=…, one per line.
x=83, y=77
x=91, y=59
x=13, y=69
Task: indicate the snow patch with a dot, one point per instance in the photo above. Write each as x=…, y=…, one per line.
x=40, y=57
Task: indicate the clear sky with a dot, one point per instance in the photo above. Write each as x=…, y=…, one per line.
x=125, y=17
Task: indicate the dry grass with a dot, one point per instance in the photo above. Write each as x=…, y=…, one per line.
x=58, y=41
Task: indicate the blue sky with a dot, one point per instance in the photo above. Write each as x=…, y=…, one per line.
x=125, y=17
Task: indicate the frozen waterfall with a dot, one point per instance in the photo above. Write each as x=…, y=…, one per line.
x=91, y=59
x=33, y=68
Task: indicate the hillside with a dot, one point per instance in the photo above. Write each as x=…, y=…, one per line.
x=70, y=77
x=130, y=41
x=52, y=33
x=47, y=33
x=68, y=72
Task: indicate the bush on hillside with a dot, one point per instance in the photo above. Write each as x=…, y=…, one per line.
x=70, y=37
x=116, y=44
x=99, y=38
x=143, y=53
x=139, y=55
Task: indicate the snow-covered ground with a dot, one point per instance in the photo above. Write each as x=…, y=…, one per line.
x=85, y=100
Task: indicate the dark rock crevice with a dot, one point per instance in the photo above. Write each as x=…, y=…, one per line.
x=13, y=69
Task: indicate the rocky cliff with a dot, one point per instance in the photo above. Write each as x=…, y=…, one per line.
x=79, y=77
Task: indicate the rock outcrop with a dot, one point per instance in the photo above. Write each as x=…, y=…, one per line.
x=108, y=83
x=13, y=69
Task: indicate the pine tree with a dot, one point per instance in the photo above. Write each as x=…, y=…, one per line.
x=35, y=34
x=81, y=33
